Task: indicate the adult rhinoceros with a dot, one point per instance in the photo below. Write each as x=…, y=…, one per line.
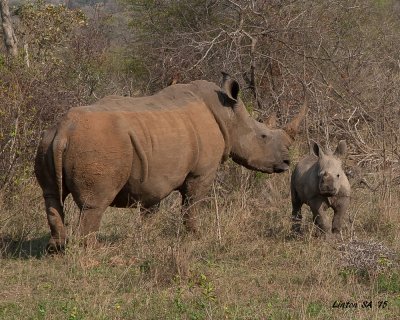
x=121, y=150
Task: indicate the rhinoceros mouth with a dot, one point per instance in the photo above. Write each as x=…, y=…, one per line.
x=273, y=169
x=328, y=193
x=282, y=168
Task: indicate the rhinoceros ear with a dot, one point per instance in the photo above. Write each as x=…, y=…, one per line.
x=316, y=149
x=341, y=149
x=230, y=87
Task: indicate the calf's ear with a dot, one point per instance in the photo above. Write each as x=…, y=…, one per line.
x=341, y=149
x=316, y=149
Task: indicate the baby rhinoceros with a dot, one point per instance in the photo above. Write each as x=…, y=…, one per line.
x=319, y=181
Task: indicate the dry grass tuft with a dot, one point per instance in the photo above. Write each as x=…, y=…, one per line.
x=368, y=255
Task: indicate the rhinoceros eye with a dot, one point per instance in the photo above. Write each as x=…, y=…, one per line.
x=263, y=136
x=338, y=175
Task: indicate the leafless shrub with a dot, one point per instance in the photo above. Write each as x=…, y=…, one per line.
x=369, y=255
x=276, y=47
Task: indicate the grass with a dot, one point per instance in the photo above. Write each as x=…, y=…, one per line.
x=149, y=268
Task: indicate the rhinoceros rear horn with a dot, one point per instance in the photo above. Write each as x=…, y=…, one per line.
x=230, y=87
x=292, y=128
x=271, y=121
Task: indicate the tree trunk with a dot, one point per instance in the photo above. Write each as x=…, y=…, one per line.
x=10, y=40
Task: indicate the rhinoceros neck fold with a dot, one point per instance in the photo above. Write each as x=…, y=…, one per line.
x=210, y=94
x=225, y=134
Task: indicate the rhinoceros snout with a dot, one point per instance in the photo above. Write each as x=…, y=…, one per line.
x=328, y=192
x=284, y=166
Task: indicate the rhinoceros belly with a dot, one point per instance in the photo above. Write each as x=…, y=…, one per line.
x=148, y=193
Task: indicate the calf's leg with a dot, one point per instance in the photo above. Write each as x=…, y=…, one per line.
x=317, y=207
x=340, y=210
x=296, y=212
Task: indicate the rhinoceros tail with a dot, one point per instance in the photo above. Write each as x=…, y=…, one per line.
x=59, y=144
x=142, y=156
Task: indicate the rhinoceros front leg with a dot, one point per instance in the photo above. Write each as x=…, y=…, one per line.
x=340, y=210
x=318, y=207
x=193, y=192
x=55, y=218
x=296, y=212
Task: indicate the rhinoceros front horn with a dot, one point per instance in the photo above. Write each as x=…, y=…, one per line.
x=292, y=128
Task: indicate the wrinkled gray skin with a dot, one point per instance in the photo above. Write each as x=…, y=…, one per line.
x=123, y=150
x=320, y=182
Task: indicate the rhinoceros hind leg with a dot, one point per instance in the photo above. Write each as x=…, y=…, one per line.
x=54, y=247
x=89, y=224
x=55, y=218
x=189, y=212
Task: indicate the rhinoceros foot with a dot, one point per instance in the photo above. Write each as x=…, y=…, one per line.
x=55, y=246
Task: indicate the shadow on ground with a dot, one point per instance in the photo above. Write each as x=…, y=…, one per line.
x=23, y=249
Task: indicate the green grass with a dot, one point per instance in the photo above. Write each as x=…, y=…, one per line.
x=149, y=268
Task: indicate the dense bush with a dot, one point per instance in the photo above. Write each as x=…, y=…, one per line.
x=65, y=60
x=345, y=53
